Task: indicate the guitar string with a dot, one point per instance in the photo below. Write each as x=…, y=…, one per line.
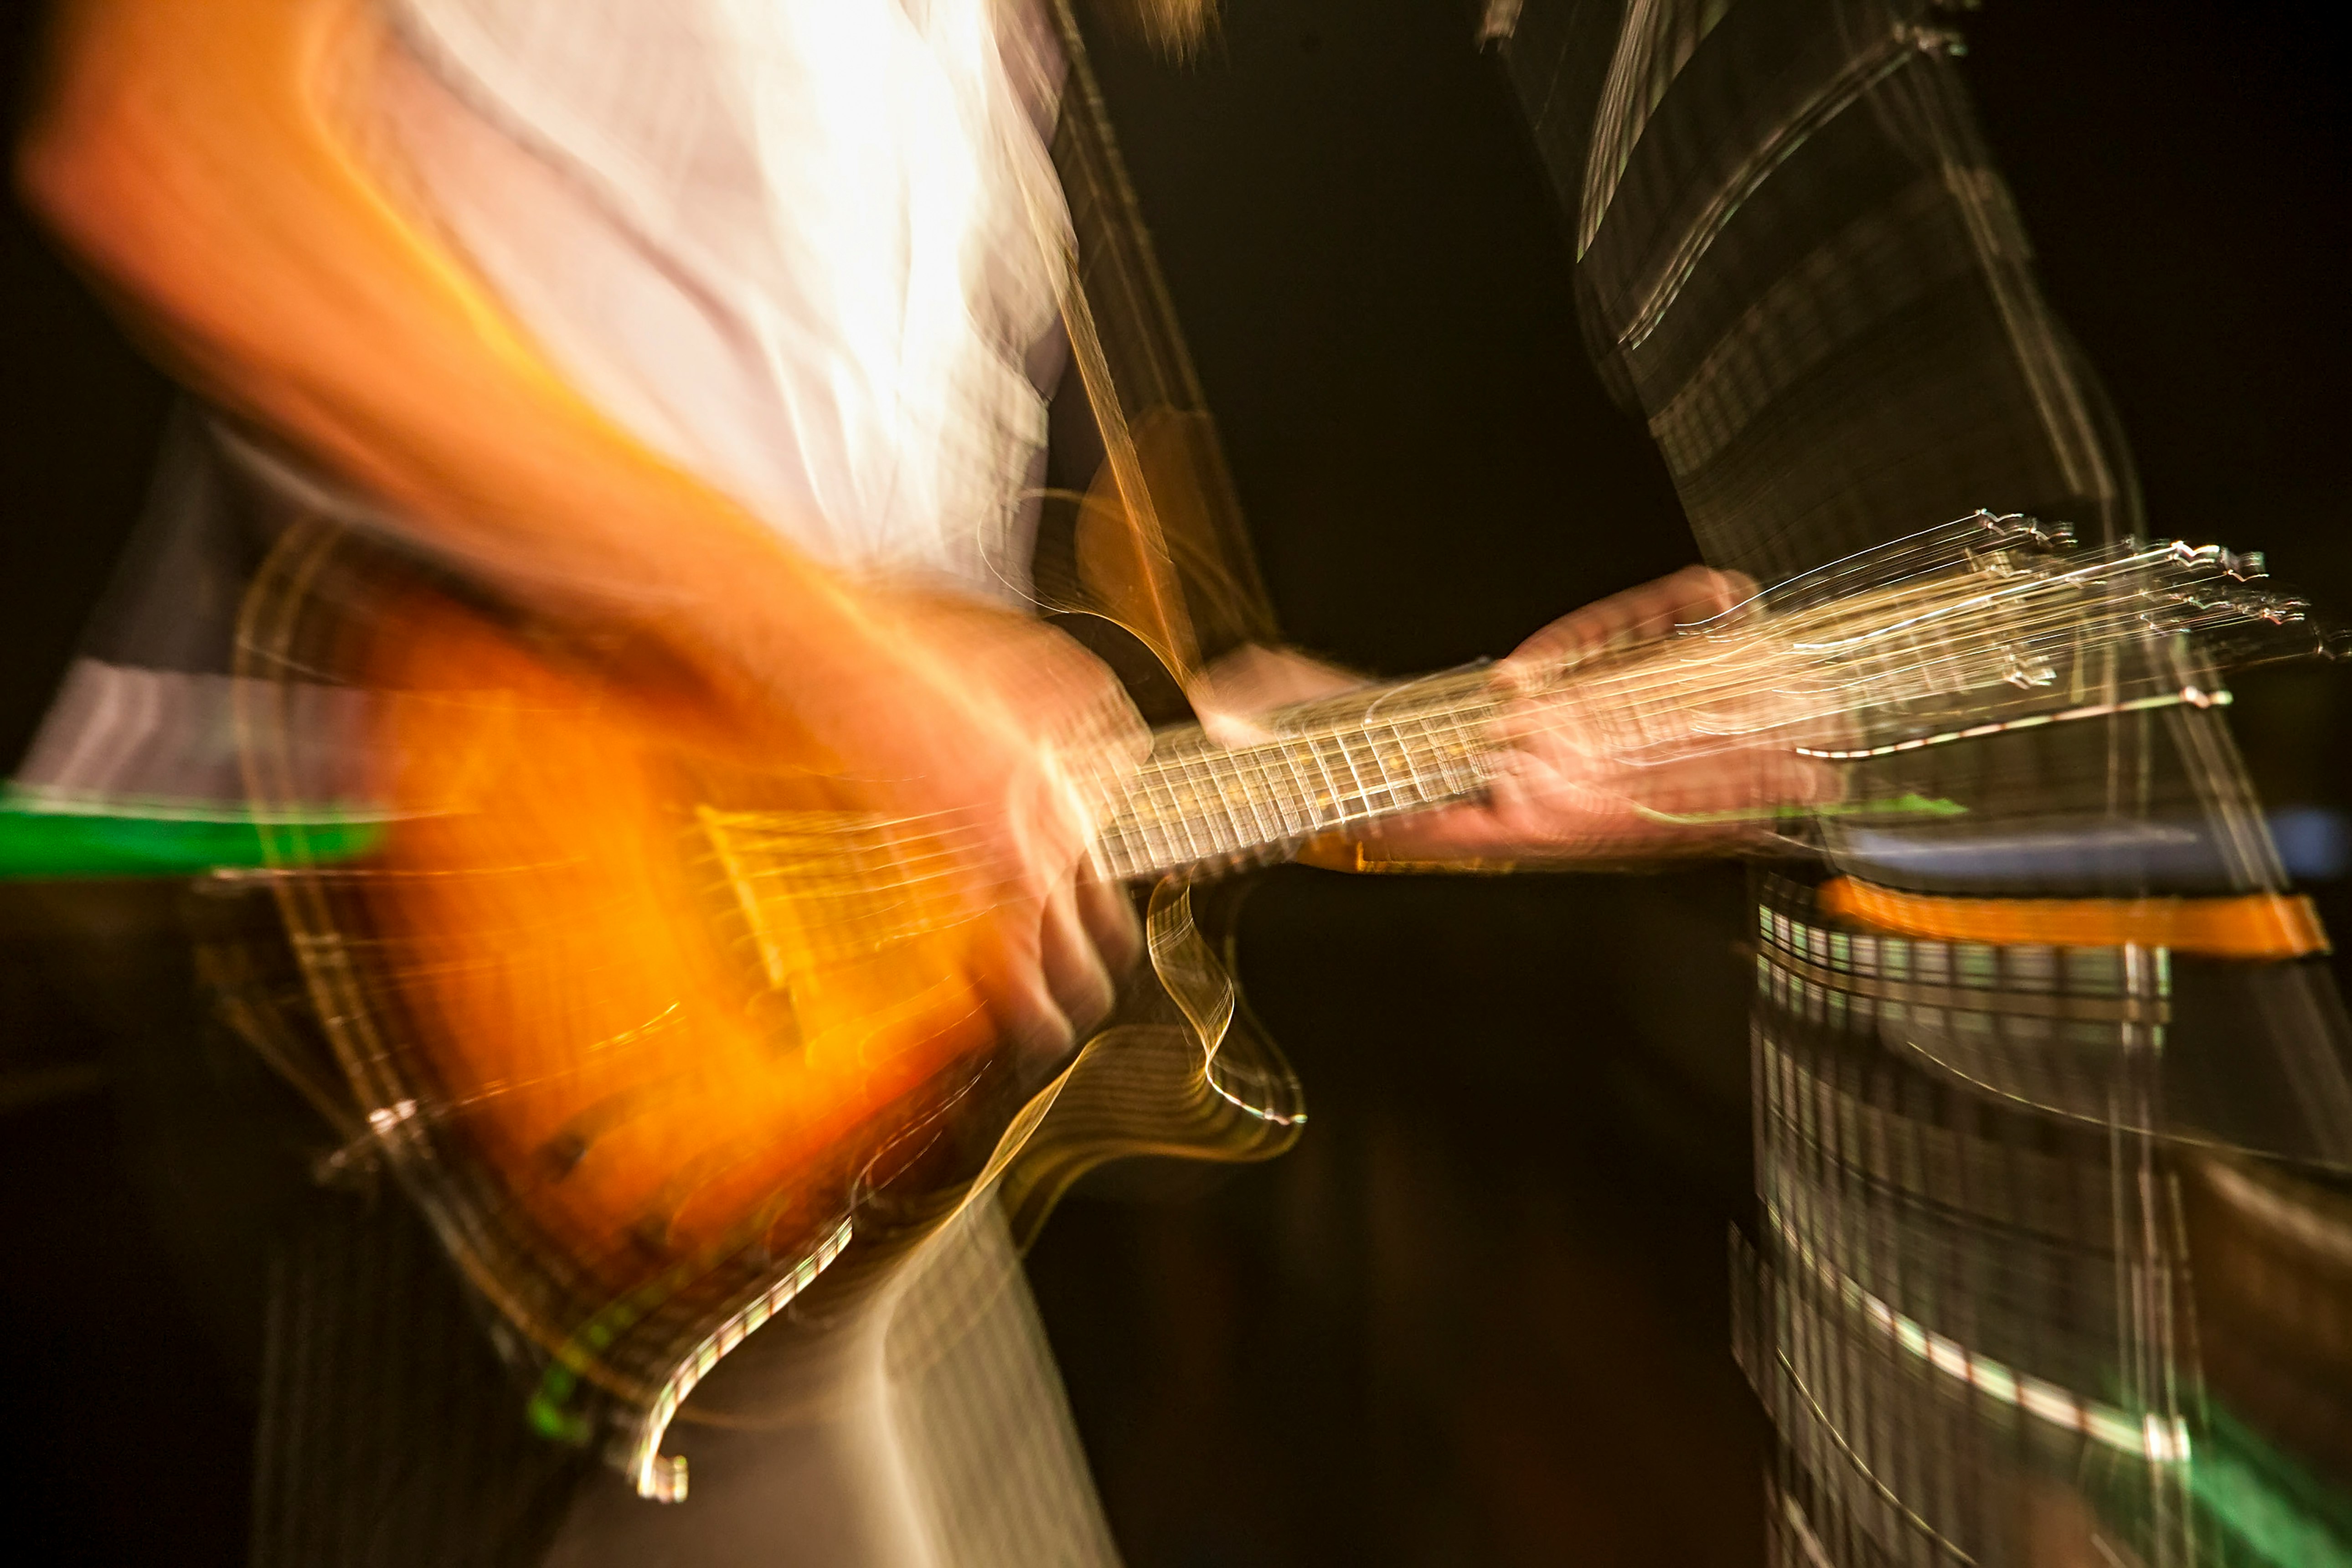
x=1947, y=669
x=1952, y=635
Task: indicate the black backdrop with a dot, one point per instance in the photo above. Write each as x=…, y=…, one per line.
x=1479, y=1314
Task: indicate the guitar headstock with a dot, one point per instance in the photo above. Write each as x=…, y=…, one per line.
x=1980, y=625
x=2218, y=597
x=1996, y=579
x=1982, y=543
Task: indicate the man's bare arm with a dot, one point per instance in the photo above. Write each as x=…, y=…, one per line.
x=192, y=152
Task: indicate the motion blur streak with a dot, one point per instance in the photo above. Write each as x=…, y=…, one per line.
x=2029, y=1057
x=606, y=591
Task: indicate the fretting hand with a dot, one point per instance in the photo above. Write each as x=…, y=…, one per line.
x=1558, y=794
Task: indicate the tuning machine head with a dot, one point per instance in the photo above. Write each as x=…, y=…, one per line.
x=2238, y=565
x=2021, y=532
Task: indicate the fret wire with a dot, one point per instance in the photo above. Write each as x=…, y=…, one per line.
x=1369, y=737
x=1235, y=803
x=1241, y=777
x=1327, y=816
x=1419, y=756
x=1208, y=804
x=1294, y=762
x=1302, y=792
x=1362, y=794
x=1289, y=792
x=1231, y=800
x=1399, y=755
x=1464, y=742
x=1202, y=815
x=1373, y=755
x=1408, y=795
x=1336, y=808
x=1462, y=774
x=1424, y=767
x=1420, y=789
x=1116, y=850
x=1134, y=819
x=1403, y=796
x=1158, y=834
x=1254, y=791
x=1110, y=830
x=1120, y=857
x=1433, y=787
x=1358, y=739
x=1136, y=832
x=1284, y=817
x=1469, y=772
x=1176, y=810
x=1181, y=819
x=1134, y=827
x=1298, y=801
x=1165, y=852
x=1169, y=801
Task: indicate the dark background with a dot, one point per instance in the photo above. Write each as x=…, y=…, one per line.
x=1480, y=1315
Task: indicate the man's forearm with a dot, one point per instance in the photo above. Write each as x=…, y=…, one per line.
x=191, y=153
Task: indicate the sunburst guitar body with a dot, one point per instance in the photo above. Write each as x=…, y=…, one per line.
x=656, y=1029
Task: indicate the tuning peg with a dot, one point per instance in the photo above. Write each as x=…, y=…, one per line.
x=2051, y=536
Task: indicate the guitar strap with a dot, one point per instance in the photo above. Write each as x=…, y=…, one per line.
x=1161, y=546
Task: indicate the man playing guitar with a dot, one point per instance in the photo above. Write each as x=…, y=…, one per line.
x=722, y=333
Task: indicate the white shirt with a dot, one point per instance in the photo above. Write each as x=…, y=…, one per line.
x=792, y=245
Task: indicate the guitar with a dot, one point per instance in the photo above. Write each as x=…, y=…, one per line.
x=656, y=1033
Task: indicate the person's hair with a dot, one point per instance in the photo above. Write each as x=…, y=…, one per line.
x=1173, y=26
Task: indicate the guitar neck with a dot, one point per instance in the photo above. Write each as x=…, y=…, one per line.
x=1195, y=806
x=1947, y=651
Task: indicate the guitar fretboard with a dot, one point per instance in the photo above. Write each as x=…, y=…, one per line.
x=1962, y=643
x=1197, y=808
